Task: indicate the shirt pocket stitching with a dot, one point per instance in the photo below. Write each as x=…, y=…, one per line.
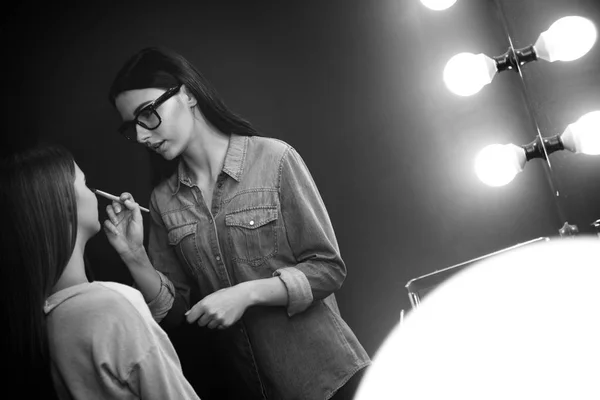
x=176, y=210
x=175, y=236
x=256, y=220
x=270, y=215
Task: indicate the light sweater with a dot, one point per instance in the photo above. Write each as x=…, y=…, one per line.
x=104, y=344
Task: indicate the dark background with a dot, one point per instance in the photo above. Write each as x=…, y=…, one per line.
x=356, y=87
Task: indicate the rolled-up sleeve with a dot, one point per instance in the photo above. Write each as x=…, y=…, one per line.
x=298, y=288
x=163, y=302
x=320, y=269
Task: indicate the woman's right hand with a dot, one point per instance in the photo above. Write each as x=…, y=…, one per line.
x=125, y=227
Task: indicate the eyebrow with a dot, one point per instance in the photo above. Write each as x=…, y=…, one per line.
x=146, y=103
x=141, y=106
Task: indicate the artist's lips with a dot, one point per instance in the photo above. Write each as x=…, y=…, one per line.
x=156, y=146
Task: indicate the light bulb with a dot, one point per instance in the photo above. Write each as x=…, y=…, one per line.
x=438, y=5
x=583, y=136
x=567, y=39
x=497, y=164
x=466, y=73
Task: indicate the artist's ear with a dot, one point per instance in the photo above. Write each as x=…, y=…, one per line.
x=188, y=96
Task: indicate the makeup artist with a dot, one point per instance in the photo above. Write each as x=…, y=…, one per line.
x=241, y=222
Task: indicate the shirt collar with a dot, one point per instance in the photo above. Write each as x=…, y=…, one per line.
x=233, y=165
x=61, y=296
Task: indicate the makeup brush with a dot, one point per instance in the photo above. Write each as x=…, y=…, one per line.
x=113, y=197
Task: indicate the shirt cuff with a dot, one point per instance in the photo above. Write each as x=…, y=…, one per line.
x=298, y=288
x=162, y=303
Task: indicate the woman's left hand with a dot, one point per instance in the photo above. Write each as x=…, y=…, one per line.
x=220, y=309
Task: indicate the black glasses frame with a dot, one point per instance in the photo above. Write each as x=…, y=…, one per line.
x=129, y=126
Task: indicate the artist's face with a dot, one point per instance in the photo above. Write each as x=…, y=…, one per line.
x=87, y=206
x=176, y=114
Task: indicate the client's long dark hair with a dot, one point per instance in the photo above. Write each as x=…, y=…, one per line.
x=37, y=235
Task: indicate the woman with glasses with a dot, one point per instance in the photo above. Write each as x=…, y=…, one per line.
x=241, y=224
x=70, y=338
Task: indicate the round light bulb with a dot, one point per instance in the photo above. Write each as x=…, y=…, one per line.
x=583, y=136
x=466, y=73
x=498, y=164
x=567, y=39
x=438, y=5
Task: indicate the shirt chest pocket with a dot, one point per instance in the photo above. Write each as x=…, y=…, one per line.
x=252, y=234
x=183, y=240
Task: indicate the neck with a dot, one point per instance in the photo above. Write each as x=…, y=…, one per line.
x=205, y=155
x=74, y=272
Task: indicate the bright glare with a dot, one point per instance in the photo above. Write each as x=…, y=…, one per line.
x=497, y=164
x=438, y=5
x=567, y=39
x=518, y=326
x=466, y=73
x=583, y=136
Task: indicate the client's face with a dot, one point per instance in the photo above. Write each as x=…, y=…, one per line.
x=87, y=206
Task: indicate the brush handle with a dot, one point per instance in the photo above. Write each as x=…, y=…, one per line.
x=114, y=198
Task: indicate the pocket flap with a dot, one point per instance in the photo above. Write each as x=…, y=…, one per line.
x=251, y=218
x=179, y=232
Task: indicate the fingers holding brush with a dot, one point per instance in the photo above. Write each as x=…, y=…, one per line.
x=124, y=226
x=132, y=206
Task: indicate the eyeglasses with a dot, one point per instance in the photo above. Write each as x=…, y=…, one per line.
x=147, y=117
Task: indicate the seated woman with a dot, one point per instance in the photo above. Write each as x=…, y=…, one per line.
x=79, y=339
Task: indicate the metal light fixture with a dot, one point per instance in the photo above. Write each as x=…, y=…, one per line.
x=497, y=165
x=567, y=39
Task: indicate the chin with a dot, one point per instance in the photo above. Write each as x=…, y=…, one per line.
x=168, y=155
x=93, y=229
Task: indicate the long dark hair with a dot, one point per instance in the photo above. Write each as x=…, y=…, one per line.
x=38, y=233
x=162, y=68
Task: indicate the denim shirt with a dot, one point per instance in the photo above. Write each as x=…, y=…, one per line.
x=267, y=219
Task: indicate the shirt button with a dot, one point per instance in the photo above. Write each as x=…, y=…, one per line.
x=218, y=258
x=251, y=222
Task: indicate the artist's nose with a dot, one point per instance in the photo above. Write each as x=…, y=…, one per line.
x=143, y=134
